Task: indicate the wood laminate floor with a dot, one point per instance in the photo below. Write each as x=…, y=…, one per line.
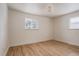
x=48, y=48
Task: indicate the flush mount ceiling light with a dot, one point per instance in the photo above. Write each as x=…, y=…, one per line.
x=50, y=8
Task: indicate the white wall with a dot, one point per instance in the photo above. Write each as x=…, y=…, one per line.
x=18, y=35
x=3, y=29
x=62, y=31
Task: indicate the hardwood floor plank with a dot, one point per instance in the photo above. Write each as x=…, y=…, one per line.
x=48, y=48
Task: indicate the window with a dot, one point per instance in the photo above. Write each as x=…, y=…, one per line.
x=74, y=23
x=31, y=24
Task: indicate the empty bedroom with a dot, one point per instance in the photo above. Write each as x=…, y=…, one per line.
x=39, y=29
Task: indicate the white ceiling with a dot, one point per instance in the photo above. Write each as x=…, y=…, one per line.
x=41, y=8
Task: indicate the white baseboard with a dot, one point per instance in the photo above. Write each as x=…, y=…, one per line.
x=29, y=42
x=6, y=51
x=68, y=42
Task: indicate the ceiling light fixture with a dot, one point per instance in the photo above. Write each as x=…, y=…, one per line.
x=50, y=8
